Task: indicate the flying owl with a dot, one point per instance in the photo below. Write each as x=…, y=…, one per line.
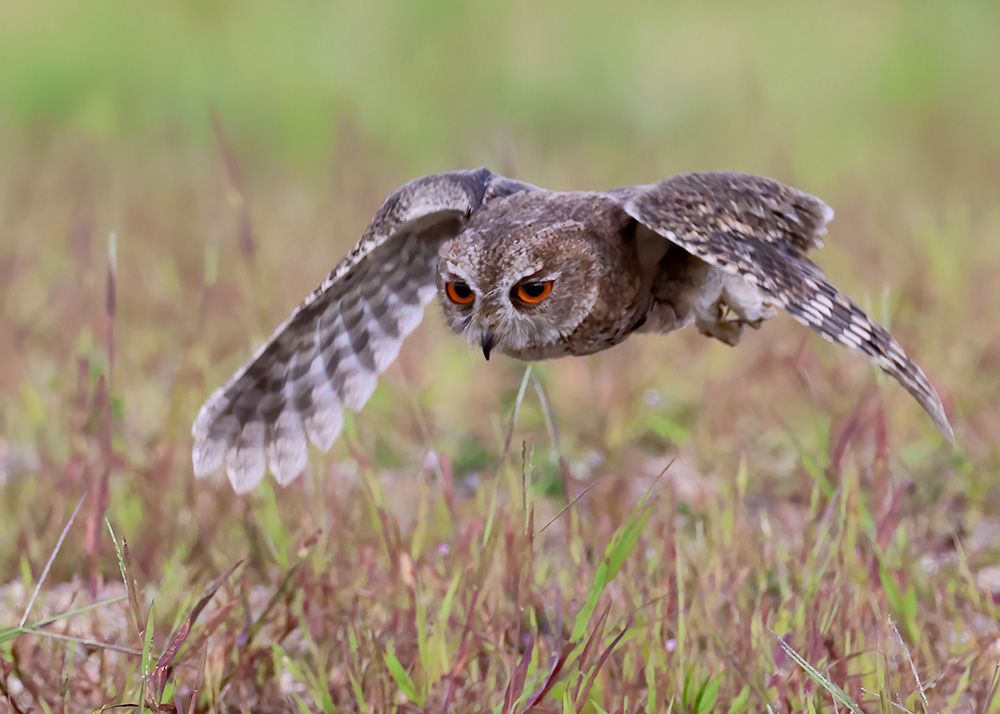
x=534, y=274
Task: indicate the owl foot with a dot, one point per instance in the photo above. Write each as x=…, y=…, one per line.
x=728, y=331
x=756, y=322
x=726, y=321
x=756, y=316
x=721, y=326
x=746, y=302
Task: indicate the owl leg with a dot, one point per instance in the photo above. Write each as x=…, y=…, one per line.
x=713, y=322
x=736, y=305
x=747, y=302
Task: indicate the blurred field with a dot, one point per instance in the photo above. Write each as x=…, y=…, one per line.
x=814, y=545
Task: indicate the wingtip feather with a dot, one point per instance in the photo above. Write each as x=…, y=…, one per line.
x=287, y=450
x=246, y=461
x=939, y=417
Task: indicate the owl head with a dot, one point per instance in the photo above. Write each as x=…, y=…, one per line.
x=519, y=288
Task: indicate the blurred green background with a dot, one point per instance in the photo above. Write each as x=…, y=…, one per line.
x=636, y=91
x=889, y=111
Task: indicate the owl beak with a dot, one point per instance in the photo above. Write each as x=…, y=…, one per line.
x=488, y=342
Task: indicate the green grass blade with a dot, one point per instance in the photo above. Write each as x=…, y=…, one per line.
x=838, y=694
x=402, y=678
x=622, y=543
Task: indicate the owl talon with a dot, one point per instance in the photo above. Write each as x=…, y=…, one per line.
x=728, y=331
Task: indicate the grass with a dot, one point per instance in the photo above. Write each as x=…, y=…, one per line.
x=668, y=526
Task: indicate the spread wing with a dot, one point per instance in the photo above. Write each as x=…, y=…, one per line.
x=760, y=230
x=328, y=354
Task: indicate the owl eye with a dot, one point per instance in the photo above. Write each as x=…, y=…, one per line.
x=459, y=293
x=534, y=291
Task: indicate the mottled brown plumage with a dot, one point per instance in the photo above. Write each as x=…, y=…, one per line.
x=534, y=274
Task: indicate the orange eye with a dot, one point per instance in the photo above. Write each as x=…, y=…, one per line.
x=459, y=293
x=533, y=292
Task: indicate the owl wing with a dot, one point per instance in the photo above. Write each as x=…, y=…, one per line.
x=760, y=230
x=328, y=354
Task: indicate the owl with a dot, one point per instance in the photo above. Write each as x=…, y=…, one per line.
x=534, y=274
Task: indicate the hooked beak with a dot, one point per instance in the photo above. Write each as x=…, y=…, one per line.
x=488, y=342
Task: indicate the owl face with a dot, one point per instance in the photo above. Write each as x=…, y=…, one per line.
x=521, y=292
